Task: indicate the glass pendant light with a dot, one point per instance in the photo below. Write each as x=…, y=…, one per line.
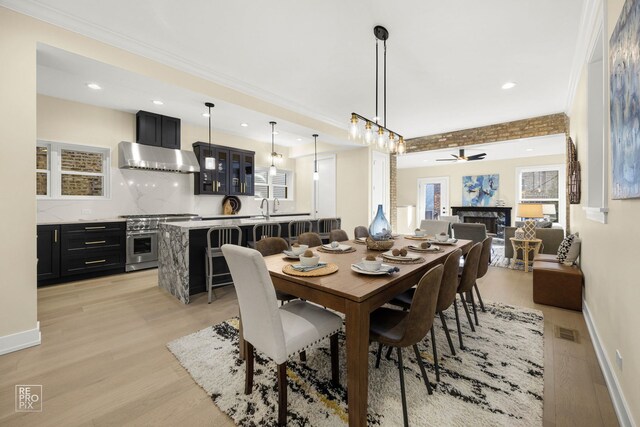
x=353, y=128
x=392, y=143
x=272, y=169
x=209, y=161
x=402, y=148
x=316, y=175
x=368, y=133
x=381, y=141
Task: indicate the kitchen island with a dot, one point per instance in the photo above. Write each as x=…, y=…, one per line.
x=181, y=251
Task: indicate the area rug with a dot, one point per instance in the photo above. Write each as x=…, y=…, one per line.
x=498, y=259
x=497, y=380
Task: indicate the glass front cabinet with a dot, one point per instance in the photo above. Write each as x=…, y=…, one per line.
x=233, y=173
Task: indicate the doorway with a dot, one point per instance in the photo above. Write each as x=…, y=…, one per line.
x=379, y=183
x=433, y=198
x=324, y=189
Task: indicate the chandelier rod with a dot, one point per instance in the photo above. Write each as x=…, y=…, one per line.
x=377, y=67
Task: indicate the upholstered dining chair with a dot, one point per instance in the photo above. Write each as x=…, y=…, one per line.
x=272, y=246
x=338, y=236
x=433, y=226
x=451, y=218
x=483, y=268
x=310, y=239
x=216, y=237
x=264, y=323
x=469, y=231
x=296, y=228
x=265, y=229
x=400, y=329
x=325, y=225
x=446, y=297
x=360, y=231
x=465, y=285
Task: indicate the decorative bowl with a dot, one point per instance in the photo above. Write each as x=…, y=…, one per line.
x=311, y=261
x=420, y=233
x=298, y=250
x=379, y=245
x=335, y=244
x=371, y=265
x=442, y=237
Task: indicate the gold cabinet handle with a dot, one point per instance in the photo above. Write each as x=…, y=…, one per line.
x=96, y=227
x=96, y=242
x=95, y=262
x=55, y=236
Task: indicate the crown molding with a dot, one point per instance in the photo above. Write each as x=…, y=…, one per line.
x=102, y=34
x=591, y=22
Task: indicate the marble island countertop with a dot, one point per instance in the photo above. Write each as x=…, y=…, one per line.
x=193, y=225
x=80, y=221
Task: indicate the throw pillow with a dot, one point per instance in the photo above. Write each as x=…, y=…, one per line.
x=563, y=249
x=574, y=250
x=544, y=224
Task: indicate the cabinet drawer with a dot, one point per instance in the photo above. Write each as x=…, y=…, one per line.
x=92, y=227
x=105, y=260
x=78, y=242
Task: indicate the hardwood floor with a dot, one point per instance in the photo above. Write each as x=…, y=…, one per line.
x=103, y=358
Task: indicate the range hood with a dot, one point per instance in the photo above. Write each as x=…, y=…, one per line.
x=139, y=156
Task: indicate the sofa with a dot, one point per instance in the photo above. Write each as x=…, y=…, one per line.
x=551, y=239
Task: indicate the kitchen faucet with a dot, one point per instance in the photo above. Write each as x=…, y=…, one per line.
x=262, y=207
x=276, y=203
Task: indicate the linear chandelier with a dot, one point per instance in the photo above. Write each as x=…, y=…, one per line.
x=384, y=137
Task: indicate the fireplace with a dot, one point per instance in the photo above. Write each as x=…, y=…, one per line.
x=495, y=218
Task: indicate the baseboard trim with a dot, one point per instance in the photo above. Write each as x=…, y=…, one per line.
x=20, y=340
x=617, y=397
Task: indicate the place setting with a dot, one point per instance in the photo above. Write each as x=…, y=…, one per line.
x=295, y=251
x=373, y=266
x=418, y=234
x=336, y=248
x=443, y=239
x=309, y=265
x=424, y=247
x=402, y=256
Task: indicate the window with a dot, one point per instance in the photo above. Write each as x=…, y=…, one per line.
x=270, y=187
x=544, y=185
x=66, y=171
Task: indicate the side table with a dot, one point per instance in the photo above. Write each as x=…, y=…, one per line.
x=526, y=246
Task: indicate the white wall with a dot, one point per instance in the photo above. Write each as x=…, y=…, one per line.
x=408, y=178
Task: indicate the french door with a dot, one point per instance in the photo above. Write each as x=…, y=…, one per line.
x=433, y=198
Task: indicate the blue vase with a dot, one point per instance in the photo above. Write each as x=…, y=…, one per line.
x=380, y=229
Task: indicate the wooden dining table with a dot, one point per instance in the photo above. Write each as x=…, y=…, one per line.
x=356, y=296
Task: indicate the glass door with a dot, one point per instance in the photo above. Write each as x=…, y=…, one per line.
x=221, y=186
x=433, y=198
x=248, y=174
x=235, y=173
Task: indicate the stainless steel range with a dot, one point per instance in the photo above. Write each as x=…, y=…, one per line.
x=142, y=238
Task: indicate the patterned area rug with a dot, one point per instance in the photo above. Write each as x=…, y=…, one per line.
x=498, y=259
x=497, y=380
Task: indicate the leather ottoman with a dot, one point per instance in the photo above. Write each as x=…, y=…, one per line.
x=557, y=284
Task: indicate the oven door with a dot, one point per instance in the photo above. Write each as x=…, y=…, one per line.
x=142, y=249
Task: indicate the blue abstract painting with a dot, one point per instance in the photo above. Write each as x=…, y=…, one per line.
x=480, y=190
x=624, y=63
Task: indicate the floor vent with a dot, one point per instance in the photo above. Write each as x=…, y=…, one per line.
x=566, y=334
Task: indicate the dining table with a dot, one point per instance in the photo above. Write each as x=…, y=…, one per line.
x=356, y=295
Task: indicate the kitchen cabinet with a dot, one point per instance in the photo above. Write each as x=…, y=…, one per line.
x=233, y=174
x=88, y=248
x=48, y=250
x=157, y=130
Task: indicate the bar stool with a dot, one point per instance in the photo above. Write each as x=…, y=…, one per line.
x=223, y=235
x=265, y=229
x=325, y=225
x=296, y=228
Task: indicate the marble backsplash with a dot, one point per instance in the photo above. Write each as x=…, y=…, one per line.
x=146, y=192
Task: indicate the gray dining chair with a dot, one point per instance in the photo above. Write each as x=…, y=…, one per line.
x=265, y=229
x=296, y=228
x=470, y=231
x=434, y=226
x=325, y=225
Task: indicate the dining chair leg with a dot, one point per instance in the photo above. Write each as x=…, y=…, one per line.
x=335, y=361
x=389, y=353
x=446, y=332
x=378, y=355
x=208, y=276
x=475, y=286
x=402, y=391
x=455, y=308
x=423, y=371
x=435, y=354
x=282, y=394
x=473, y=305
x=303, y=356
x=466, y=310
x=248, y=379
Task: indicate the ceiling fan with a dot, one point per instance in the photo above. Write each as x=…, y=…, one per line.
x=462, y=158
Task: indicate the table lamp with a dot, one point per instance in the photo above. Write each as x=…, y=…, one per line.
x=528, y=211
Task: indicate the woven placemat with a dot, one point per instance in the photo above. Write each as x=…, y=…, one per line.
x=330, y=268
x=360, y=242
x=402, y=261
x=329, y=251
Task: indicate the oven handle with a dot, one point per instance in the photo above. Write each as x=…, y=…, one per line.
x=141, y=233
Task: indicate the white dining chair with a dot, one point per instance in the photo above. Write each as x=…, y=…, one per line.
x=433, y=227
x=278, y=332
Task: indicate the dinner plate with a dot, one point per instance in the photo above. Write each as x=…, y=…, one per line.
x=290, y=255
x=384, y=269
x=432, y=248
x=414, y=237
x=390, y=255
x=448, y=242
x=340, y=248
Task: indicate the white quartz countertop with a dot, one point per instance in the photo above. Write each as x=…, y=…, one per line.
x=81, y=221
x=193, y=225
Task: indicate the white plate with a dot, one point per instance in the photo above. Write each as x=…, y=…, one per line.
x=340, y=247
x=290, y=255
x=362, y=239
x=384, y=269
x=390, y=255
x=448, y=242
x=432, y=248
x=414, y=237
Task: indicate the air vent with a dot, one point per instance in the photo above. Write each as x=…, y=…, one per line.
x=566, y=334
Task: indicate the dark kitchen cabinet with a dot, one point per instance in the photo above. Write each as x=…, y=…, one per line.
x=88, y=248
x=48, y=250
x=233, y=174
x=157, y=130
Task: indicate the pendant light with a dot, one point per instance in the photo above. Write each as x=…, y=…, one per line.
x=209, y=161
x=272, y=170
x=316, y=175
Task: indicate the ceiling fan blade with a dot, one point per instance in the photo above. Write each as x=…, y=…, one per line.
x=457, y=157
x=477, y=156
x=446, y=160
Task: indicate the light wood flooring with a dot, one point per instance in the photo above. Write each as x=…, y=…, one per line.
x=103, y=359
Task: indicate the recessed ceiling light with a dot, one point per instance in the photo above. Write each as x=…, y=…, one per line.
x=205, y=114
x=94, y=86
x=529, y=149
x=509, y=85
x=158, y=102
x=244, y=125
x=298, y=139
